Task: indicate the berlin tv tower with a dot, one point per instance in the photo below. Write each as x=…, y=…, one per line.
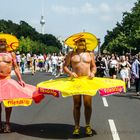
x=42, y=21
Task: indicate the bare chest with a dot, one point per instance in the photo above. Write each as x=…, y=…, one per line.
x=5, y=59
x=82, y=57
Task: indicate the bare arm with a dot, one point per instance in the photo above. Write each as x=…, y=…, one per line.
x=93, y=68
x=93, y=65
x=119, y=66
x=67, y=64
x=129, y=65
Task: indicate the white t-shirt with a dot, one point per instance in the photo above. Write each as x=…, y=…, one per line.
x=54, y=59
x=28, y=56
x=113, y=63
x=18, y=58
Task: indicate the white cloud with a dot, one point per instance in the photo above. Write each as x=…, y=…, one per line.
x=59, y=9
x=105, y=17
x=64, y=10
x=104, y=7
x=104, y=11
x=114, y=12
x=119, y=8
x=88, y=9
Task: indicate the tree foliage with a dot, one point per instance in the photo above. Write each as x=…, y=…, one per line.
x=30, y=39
x=28, y=45
x=125, y=37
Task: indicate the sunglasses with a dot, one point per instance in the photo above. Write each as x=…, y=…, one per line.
x=2, y=41
x=81, y=40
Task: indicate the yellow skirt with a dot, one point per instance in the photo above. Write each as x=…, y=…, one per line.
x=81, y=86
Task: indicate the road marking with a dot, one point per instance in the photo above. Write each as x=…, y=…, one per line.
x=113, y=129
x=105, y=102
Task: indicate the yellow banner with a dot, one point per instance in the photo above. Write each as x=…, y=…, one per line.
x=17, y=102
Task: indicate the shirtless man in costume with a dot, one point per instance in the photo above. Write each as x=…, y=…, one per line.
x=7, y=61
x=82, y=64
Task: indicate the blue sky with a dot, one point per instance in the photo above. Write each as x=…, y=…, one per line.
x=66, y=17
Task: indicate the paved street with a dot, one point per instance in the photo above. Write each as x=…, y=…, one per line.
x=113, y=117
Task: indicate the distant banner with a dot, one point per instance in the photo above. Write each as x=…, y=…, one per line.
x=17, y=102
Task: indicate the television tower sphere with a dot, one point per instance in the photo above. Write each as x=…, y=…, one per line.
x=42, y=21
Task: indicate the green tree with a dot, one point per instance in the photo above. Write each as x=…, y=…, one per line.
x=30, y=39
x=126, y=35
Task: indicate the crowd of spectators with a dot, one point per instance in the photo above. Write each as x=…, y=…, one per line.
x=125, y=67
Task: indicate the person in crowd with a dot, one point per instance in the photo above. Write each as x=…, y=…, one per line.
x=18, y=58
x=100, y=67
x=22, y=63
x=34, y=63
x=54, y=60
x=46, y=63
x=41, y=62
x=136, y=73
x=124, y=68
x=113, y=67
x=28, y=59
x=105, y=60
x=60, y=64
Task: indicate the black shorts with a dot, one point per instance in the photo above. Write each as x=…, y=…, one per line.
x=28, y=63
x=112, y=71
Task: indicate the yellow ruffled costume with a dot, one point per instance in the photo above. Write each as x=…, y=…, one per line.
x=82, y=85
